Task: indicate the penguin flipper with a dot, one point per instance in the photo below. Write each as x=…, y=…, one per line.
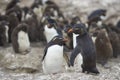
x=45, y=52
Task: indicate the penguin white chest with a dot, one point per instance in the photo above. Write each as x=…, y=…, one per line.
x=49, y=33
x=74, y=40
x=53, y=61
x=38, y=12
x=79, y=60
x=23, y=41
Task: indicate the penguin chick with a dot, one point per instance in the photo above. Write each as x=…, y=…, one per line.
x=103, y=47
x=20, y=39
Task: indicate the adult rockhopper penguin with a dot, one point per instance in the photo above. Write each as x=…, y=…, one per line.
x=86, y=47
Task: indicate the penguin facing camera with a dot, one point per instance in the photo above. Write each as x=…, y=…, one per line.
x=20, y=39
x=53, y=60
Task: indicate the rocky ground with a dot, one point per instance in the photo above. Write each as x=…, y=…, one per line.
x=28, y=67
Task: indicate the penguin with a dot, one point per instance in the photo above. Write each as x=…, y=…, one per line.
x=96, y=17
x=53, y=60
x=86, y=48
x=76, y=20
x=103, y=47
x=52, y=9
x=37, y=8
x=115, y=42
x=16, y=9
x=4, y=33
x=114, y=39
x=20, y=39
x=14, y=21
x=12, y=4
x=51, y=29
x=31, y=19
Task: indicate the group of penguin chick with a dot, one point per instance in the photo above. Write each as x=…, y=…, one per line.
x=93, y=41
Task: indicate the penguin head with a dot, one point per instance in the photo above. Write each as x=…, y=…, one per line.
x=97, y=15
x=75, y=20
x=51, y=22
x=28, y=13
x=78, y=29
x=58, y=40
x=67, y=28
x=23, y=27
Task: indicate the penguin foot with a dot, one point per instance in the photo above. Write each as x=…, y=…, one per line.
x=88, y=70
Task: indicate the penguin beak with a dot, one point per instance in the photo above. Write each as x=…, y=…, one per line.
x=70, y=30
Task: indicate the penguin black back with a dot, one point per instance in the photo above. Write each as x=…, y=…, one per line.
x=95, y=15
x=86, y=47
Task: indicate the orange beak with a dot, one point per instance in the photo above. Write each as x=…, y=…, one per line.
x=70, y=30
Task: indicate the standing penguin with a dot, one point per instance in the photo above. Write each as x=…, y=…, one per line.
x=114, y=39
x=13, y=20
x=86, y=47
x=31, y=20
x=53, y=60
x=4, y=33
x=103, y=47
x=20, y=39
